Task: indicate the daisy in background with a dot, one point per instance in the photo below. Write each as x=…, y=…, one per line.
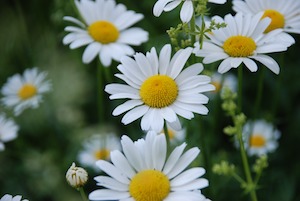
x=25, y=91
x=143, y=172
x=159, y=89
x=220, y=81
x=98, y=147
x=105, y=31
x=242, y=41
x=187, y=9
x=8, y=130
x=8, y=197
x=175, y=136
x=260, y=137
x=284, y=15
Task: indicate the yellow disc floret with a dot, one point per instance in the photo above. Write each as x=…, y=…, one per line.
x=103, y=32
x=27, y=91
x=239, y=46
x=277, y=20
x=149, y=185
x=159, y=91
x=102, y=154
x=257, y=140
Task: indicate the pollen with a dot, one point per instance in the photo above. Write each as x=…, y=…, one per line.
x=257, y=140
x=159, y=91
x=104, y=32
x=239, y=46
x=149, y=185
x=101, y=154
x=27, y=91
x=277, y=20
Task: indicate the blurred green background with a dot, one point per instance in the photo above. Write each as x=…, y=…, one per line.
x=34, y=165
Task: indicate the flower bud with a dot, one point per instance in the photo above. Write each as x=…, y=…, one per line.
x=76, y=176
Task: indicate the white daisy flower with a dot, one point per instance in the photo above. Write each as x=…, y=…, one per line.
x=159, y=89
x=105, y=30
x=8, y=130
x=221, y=81
x=98, y=147
x=8, y=197
x=186, y=11
x=144, y=173
x=242, y=41
x=284, y=14
x=25, y=91
x=260, y=137
x=175, y=136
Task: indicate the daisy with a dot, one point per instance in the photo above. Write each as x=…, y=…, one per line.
x=144, y=173
x=242, y=41
x=159, y=89
x=105, y=30
x=98, y=147
x=175, y=136
x=260, y=137
x=8, y=130
x=8, y=197
x=186, y=11
x=25, y=91
x=284, y=14
x=221, y=81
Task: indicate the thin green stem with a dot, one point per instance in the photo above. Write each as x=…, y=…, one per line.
x=166, y=131
x=259, y=92
x=100, y=94
x=246, y=166
x=240, y=88
x=107, y=74
x=83, y=195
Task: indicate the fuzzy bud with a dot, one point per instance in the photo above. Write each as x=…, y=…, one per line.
x=76, y=176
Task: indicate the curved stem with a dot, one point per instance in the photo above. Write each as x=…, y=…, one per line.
x=83, y=195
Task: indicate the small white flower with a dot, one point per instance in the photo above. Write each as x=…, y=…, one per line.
x=159, y=89
x=105, y=31
x=25, y=91
x=260, y=137
x=8, y=197
x=76, y=176
x=220, y=81
x=98, y=147
x=242, y=41
x=8, y=130
x=144, y=172
x=186, y=11
x=175, y=136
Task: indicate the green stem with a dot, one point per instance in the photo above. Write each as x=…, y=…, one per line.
x=83, y=195
x=240, y=87
x=246, y=166
x=259, y=92
x=166, y=131
x=107, y=74
x=100, y=94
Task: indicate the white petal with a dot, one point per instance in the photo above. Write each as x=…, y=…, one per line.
x=112, y=171
x=105, y=194
x=119, y=160
x=173, y=158
x=187, y=11
x=134, y=114
x=187, y=176
x=111, y=183
x=90, y=52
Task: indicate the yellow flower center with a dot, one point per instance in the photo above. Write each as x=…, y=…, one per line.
x=239, y=46
x=149, y=185
x=27, y=91
x=102, y=154
x=217, y=85
x=159, y=91
x=103, y=32
x=257, y=140
x=277, y=20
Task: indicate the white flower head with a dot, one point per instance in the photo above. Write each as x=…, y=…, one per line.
x=97, y=147
x=187, y=9
x=76, y=176
x=284, y=14
x=8, y=197
x=25, y=91
x=143, y=172
x=260, y=137
x=159, y=89
x=175, y=136
x=242, y=41
x=8, y=130
x=220, y=81
x=106, y=30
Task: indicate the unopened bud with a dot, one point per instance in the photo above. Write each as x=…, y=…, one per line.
x=76, y=176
